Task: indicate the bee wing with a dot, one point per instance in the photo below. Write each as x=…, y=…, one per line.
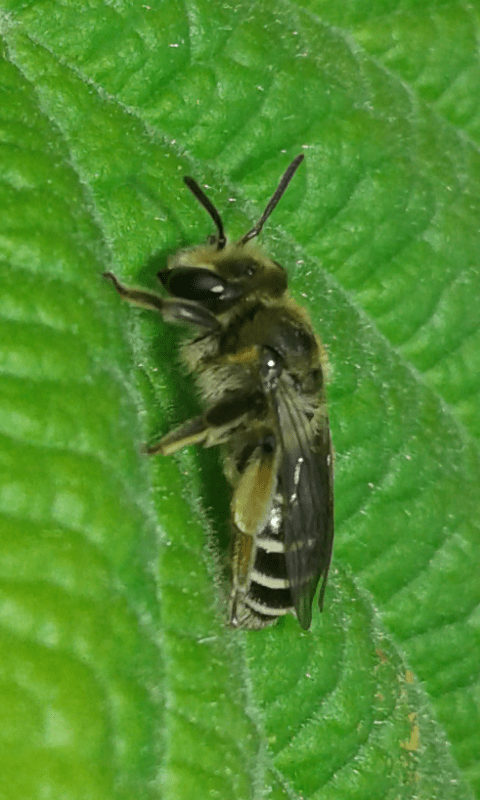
x=306, y=477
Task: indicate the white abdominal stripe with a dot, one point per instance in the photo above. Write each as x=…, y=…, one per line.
x=269, y=591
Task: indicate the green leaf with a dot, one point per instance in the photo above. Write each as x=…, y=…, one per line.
x=119, y=676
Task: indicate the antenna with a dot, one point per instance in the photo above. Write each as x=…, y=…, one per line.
x=287, y=177
x=208, y=206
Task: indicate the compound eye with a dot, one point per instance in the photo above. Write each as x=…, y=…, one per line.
x=192, y=284
x=201, y=286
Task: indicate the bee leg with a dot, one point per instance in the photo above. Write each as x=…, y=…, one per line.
x=172, y=310
x=192, y=432
x=215, y=425
x=250, y=507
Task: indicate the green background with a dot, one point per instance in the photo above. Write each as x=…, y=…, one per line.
x=118, y=676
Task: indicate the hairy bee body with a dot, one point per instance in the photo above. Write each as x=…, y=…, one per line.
x=260, y=370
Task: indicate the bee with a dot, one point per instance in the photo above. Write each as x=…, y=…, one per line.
x=260, y=369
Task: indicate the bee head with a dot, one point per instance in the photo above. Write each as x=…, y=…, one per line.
x=220, y=273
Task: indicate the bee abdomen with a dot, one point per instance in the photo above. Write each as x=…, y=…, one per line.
x=269, y=591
